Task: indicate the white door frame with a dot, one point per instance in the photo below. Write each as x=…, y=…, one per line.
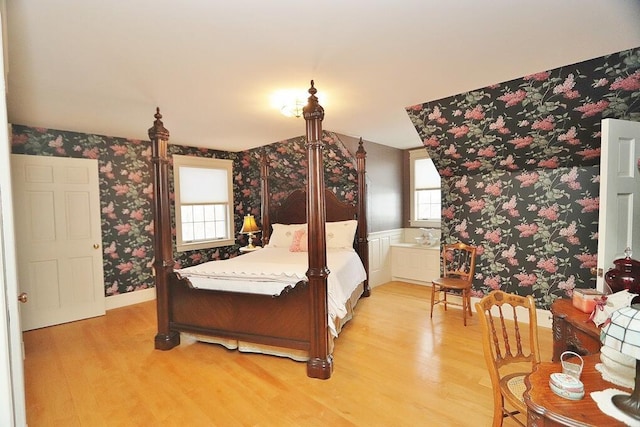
x=12, y=408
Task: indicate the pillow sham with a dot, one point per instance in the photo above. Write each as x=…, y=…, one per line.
x=340, y=234
x=282, y=234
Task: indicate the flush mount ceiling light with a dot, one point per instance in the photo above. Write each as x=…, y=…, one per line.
x=293, y=108
x=290, y=102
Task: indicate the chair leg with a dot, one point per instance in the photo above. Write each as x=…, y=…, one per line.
x=433, y=297
x=464, y=307
x=498, y=412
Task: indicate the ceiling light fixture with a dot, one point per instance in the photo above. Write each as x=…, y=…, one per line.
x=293, y=108
x=290, y=102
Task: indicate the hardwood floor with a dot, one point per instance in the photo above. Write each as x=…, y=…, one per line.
x=393, y=366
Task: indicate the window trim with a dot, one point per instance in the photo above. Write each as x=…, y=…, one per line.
x=418, y=154
x=203, y=163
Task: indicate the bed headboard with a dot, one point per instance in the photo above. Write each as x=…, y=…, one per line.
x=293, y=209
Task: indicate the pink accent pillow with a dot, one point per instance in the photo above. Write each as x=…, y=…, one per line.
x=299, y=243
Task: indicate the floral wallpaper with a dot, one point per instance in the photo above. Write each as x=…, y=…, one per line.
x=126, y=191
x=519, y=162
x=288, y=160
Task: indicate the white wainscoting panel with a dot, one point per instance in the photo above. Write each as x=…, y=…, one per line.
x=380, y=255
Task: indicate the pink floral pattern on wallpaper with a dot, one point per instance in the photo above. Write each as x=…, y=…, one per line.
x=519, y=162
x=288, y=167
x=126, y=191
x=534, y=231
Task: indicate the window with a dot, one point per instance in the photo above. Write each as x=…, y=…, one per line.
x=426, y=197
x=204, y=201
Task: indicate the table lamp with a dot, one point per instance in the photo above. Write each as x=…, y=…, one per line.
x=249, y=227
x=622, y=333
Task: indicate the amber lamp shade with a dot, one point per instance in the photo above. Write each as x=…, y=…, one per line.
x=249, y=227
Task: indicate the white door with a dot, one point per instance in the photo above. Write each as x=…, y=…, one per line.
x=619, y=217
x=58, y=234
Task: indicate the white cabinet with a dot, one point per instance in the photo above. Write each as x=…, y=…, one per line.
x=415, y=264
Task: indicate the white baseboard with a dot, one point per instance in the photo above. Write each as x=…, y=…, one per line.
x=130, y=298
x=414, y=282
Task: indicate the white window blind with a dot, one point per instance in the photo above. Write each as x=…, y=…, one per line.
x=426, y=175
x=426, y=196
x=200, y=185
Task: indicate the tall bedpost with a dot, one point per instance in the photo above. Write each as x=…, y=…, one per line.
x=363, y=239
x=266, y=198
x=320, y=364
x=163, y=262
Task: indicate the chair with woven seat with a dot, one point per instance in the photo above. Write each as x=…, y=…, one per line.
x=510, y=350
x=458, y=267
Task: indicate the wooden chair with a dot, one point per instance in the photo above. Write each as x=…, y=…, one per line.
x=510, y=350
x=458, y=266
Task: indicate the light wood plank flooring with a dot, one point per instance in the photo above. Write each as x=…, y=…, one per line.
x=393, y=366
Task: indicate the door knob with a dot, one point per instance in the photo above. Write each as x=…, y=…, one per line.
x=23, y=297
x=96, y=246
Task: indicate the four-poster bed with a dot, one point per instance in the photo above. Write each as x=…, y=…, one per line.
x=297, y=317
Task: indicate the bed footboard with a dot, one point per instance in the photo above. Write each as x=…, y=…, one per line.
x=280, y=321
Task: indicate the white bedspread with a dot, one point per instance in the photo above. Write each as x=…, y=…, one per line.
x=269, y=271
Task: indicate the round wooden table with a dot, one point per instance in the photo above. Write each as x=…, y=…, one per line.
x=545, y=408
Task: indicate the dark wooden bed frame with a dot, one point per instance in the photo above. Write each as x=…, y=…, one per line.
x=298, y=318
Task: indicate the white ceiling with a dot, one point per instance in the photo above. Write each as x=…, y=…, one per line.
x=102, y=67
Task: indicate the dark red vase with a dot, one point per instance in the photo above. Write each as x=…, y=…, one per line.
x=625, y=274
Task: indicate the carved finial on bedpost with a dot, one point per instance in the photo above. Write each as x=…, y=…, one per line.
x=312, y=89
x=313, y=110
x=158, y=131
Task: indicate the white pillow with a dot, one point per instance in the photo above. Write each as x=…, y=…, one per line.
x=340, y=234
x=282, y=235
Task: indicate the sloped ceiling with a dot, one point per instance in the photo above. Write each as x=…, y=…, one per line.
x=549, y=119
x=102, y=67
